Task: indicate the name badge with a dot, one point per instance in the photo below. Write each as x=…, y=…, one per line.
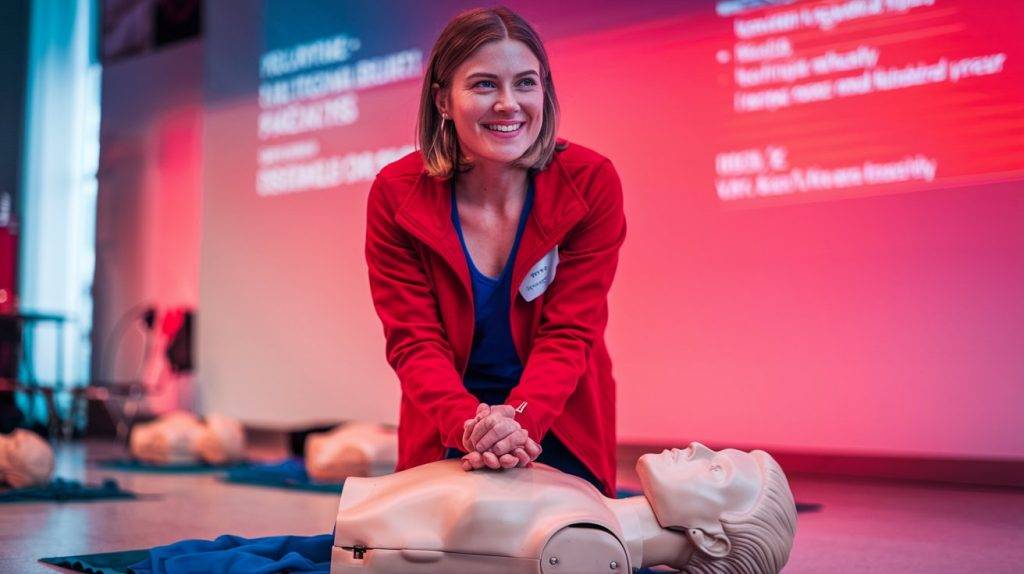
x=540, y=276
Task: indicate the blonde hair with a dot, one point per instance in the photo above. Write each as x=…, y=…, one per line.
x=462, y=37
x=760, y=538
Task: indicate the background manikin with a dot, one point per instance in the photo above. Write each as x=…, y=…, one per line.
x=181, y=438
x=222, y=440
x=352, y=449
x=702, y=511
x=25, y=459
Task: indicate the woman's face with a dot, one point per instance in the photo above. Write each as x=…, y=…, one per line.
x=496, y=100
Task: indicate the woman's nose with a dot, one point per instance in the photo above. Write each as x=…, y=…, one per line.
x=506, y=102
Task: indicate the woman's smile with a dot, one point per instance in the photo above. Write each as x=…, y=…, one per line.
x=505, y=129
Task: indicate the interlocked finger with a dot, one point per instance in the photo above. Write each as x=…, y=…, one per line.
x=523, y=459
x=510, y=443
x=508, y=461
x=491, y=460
x=532, y=448
x=486, y=422
x=501, y=428
x=473, y=461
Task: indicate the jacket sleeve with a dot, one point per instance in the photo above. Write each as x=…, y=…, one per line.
x=417, y=345
x=575, y=308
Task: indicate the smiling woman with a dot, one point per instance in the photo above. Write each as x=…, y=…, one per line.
x=500, y=362
x=495, y=102
x=488, y=69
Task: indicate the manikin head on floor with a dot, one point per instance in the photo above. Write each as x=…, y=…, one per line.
x=25, y=459
x=352, y=449
x=735, y=507
x=181, y=438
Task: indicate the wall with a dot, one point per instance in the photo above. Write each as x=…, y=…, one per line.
x=149, y=204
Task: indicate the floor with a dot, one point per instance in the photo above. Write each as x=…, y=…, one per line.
x=863, y=526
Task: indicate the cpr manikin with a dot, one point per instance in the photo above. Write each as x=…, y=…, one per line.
x=701, y=511
x=181, y=438
x=25, y=460
x=222, y=440
x=352, y=449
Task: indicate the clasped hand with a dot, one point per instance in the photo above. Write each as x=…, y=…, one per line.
x=494, y=439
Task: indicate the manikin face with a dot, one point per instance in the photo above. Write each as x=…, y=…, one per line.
x=355, y=443
x=25, y=459
x=222, y=440
x=169, y=439
x=496, y=100
x=692, y=487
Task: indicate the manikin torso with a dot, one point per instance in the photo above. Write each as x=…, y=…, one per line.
x=721, y=511
x=440, y=518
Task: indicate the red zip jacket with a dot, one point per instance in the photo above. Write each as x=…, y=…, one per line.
x=420, y=282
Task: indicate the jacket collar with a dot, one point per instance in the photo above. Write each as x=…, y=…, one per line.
x=557, y=205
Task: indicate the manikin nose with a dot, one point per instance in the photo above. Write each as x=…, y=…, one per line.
x=700, y=451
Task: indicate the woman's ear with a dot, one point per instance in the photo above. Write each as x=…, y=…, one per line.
x=714, y=544
x=440, y=99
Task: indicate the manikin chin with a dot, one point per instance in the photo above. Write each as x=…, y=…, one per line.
x=701, y=511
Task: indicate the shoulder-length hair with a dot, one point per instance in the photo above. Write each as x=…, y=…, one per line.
x=463, y=36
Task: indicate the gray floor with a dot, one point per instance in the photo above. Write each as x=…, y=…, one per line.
x=864, y=526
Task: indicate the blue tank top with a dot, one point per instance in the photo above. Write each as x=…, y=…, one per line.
x=494, y=365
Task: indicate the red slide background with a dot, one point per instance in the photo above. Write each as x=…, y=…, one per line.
x=883, y=318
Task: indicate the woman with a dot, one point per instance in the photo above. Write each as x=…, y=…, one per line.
x=491, y=251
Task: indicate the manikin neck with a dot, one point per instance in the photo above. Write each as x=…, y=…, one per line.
x=647, y=543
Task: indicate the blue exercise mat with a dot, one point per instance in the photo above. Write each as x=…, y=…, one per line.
x=225, y=555
x=132, y=465
x=288, y=474
x=106, y=563
x=60, y=490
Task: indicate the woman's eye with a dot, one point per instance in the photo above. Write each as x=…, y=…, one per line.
x=484, y=84
x=529, y=82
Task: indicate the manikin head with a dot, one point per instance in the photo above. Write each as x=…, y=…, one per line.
x=222, y=440
x=25, y=459
x=170, y=439
x=181, y=438
x=735, y=507
x=352, y=449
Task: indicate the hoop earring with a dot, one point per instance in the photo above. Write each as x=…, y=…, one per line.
x=439, y=132
x=445, y=144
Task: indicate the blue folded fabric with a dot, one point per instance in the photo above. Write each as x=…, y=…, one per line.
x=236, y=555
x=60, y=490
x=289, y=474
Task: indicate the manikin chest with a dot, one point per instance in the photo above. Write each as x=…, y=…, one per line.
x=438, y=518
x=577, y=549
